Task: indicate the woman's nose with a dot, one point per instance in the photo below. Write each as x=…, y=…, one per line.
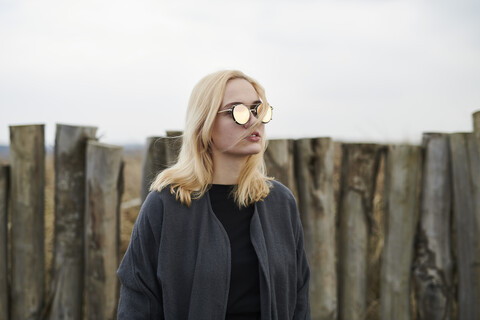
x=250, y=120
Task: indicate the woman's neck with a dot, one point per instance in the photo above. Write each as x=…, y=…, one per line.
x=226, y=170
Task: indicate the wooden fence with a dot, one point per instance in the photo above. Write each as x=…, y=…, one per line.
x=88, y=186
x=414, y=256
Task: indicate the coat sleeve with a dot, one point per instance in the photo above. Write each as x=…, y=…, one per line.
x=302, y=307
x=140, y=293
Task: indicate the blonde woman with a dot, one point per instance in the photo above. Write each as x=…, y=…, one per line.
x=216, y=238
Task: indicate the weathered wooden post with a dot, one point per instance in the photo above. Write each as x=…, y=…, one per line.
x=153, y=162
x=102, y=229
x=279, y=159
x=27, y=161
x=68, y=263
x=466, y=196
x=402, y=172
x=433, y=262
x=4, y=183
x=314, y=171
x=476, y=122
x=360, y=164
x=174, y=144
x=476, y=175
x=160, y=153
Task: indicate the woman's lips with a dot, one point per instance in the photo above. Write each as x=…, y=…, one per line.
x=254, y=137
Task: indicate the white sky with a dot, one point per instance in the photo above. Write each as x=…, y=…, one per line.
x=373, y=71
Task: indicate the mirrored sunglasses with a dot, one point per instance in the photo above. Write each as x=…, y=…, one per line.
x=241, y=112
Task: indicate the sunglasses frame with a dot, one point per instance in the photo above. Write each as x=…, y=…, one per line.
x=257, y=105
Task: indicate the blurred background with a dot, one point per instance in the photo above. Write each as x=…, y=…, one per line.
x=379, y=71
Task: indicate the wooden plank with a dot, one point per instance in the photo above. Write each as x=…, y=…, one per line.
x=67, y=268
x=402, y=172
x=102, y=236
x=466, y=189
x=476, y=122
x=433, y=266
x=160, y=153
x=279, y=160
x=153, y=162
x=4, y=184
x=314, y=171
x=174, y=144
x=360, y=164
x=27, y=161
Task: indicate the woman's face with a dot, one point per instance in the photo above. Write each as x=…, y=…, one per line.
x=226, y=131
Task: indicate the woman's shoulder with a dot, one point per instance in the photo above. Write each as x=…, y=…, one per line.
x=281, y=207
x=154, y=204
x=279, y=190
x=156, y=198
x=281, y=198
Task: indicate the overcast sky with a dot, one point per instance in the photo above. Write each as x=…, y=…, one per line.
x=373, y=71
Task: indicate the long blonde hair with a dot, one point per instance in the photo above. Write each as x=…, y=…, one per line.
x=192, y=175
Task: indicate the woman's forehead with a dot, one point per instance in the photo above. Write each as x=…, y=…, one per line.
x=239, y=90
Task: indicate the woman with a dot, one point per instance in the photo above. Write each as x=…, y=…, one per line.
x=216, y=238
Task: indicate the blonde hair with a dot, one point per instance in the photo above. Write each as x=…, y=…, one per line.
x=192, y=175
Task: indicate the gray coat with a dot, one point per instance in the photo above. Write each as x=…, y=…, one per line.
x=177, y=265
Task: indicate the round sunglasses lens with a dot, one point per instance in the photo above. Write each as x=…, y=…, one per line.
x=241, y=114
x=268, y=115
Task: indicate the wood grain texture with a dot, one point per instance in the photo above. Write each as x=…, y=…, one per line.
x=4, y=185
x=27, y=160
x=360, y=164
x=433, y=265
x=279, y=159
x=160, y=153
x=402, y=173
x=102, y=225
x=314, y=172
x=466, y=195
x=476, y=122
x=66, y=291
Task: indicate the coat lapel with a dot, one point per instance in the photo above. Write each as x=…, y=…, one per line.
x=258, y=242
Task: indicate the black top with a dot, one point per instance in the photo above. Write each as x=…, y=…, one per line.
x=244, y=293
